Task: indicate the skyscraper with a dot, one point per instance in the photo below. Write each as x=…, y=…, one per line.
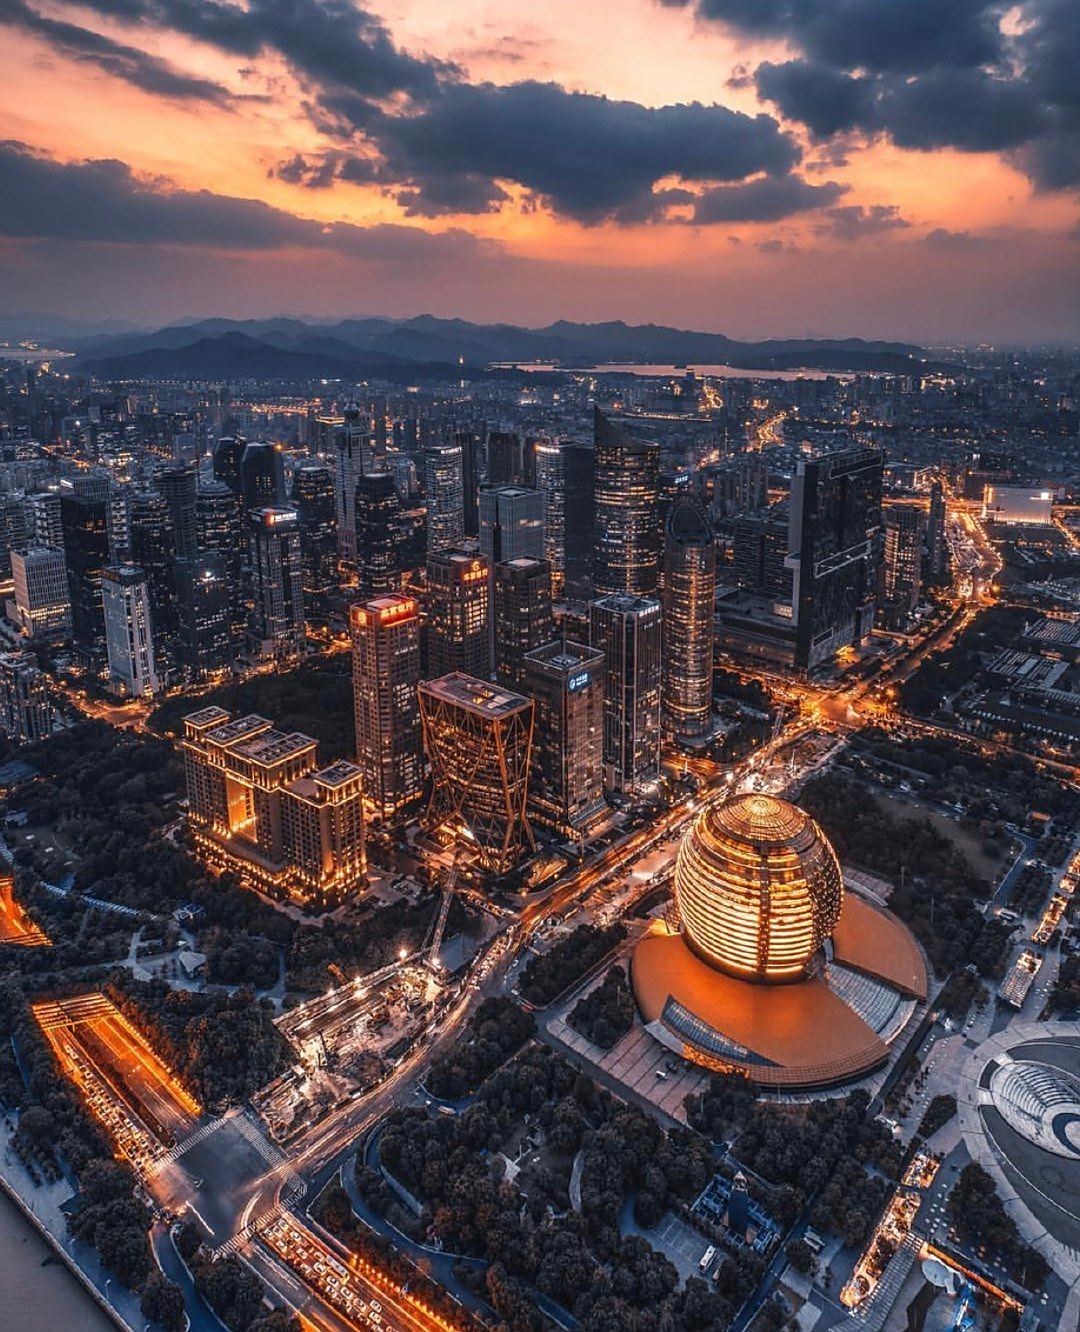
x=378, y=534
x=178, y=487
x=566, y=788
x=42, y=595
x=937, y=548
x=511, y=523
x=505, y=459
x=276, y=627
x=26, y=713
x=551, y=483
x=579, y=520
x=14, y=530
x=262, y=476
x=44, y=523
x=315, y=502
x=386, y=672
x=206, y=640
x=222, y=532
x=904, y=528
x=627, y=631
x=444, y=490
x=129, y=635
x=760, y=554
x=457, y=636
x=522, y=614
x=834, y=548
x=352, y=447
x=86, y=545
x=688, y=607
x=228, y=453
x=627, y=558
x=470, y=444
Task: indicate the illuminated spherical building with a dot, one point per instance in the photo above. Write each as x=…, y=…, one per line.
x=774, y=971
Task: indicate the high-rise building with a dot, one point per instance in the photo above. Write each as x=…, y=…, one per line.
x=522, y=614
x=470, y=444
x=551, y=483
x=444, y=490
x=834, y=547
x=44, y=524
x=228, y=453
x=86, y=545
x=179, y=488
x=150, y=544
x=379, y=534
x=937, y=548
x=566, y=789
x=511, y=524
x=129, y=635
x=579, y=520
x=14, y=530
x=688, y=607
x=478, y=738
x=352, y=452
x=386, y=672
x=262, y=476
x=626, y=630
x=760, y=547
x=505, y=459
x=26, y=713
x=42, y=594
x=739, y=485
x=315, y=502
x=457, y=636
x=904, y=528
x=222, y=532
x=261, y=808
x=206, y=639
x=276, y=628
x=627, y=558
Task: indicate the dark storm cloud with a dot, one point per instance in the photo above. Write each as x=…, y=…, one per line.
x=826, y=100
x=967, y=109
x=438, y=196
x=105, y=202
x=136, y=67
x=769, y=199
x=852, y=222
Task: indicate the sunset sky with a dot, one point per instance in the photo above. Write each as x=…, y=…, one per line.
x=896, y=168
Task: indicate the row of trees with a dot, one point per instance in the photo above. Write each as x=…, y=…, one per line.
x=498, y=1029
x=980, y=1216
x=230, y=1287
x=547, y=975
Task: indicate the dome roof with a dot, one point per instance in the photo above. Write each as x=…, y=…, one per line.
x=758, y=888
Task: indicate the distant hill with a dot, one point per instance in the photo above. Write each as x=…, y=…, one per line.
x=401, y=348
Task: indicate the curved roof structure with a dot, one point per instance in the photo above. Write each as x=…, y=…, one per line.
x=1040, y=1102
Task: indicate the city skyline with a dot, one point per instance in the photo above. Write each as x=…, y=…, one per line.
x=692, y=162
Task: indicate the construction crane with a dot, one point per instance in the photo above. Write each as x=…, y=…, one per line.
x=433, y=942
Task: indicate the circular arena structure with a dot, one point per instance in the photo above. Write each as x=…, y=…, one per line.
x=774, y=971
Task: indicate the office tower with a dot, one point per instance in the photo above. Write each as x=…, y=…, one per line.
x=457, y=636
x=904, y=528
x=688, y=607
x=444, y=490
x=760, y=547
x=228, y=454
x=14, y=532
x=511, y=524
x=42, y=594
x=566, y=788
x=178, y=486
x=129, y=638
x=44, y=523
x=834, y=549
x=207, y=639
x=262, y=476
x=739, y=485
x=386, y=672
x=379, y=534
x=670, y=486
x=579, y=520
x=222, y=531
x=478, y=739
x=505, y=459
x=627, y=557
x=261, y=808
x=627, y=631
x=352, y=454
x=86, y=546
x=276, y=628
x=937, y=548
x=469, y=443
x=26, y=713
x=150, y=544
x=405, y=481
x=522, y=614
x=315, y=502
x=551, y=483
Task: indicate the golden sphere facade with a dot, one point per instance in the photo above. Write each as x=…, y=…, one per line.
x=758, y=888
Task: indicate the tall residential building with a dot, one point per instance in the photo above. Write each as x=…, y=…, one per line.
x=14, y=530
x=44, y=523
x=551, y=483
x=904, y=529
x=739, y=485
x=522, y=614
x=937, y=547
x=86, y=545
x=42, y=594
x=129, y=634
x=566, y=788
x=179, y=488
x=760, y=547
x=260, y=807
x=276, y=628
x=228, y=453
x=688, y=606
x=207, y=642
x=222, y=532
x=457, y=636
x=511, y=523
x=478, y=738
x=352, y=453
x=386, y=672
x=26, y=713
x=379, y=534
x=627, y=557
x=834, y=547
x=626, y=630
x=315, y=502
x=444, y=489
x=579, y=520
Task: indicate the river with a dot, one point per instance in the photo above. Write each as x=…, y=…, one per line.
x=40, y=1299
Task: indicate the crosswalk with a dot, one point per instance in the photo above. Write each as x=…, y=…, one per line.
x=185, y=1144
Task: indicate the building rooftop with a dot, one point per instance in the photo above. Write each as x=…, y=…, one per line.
x=564, y=656
x=211, y=716
x=338, y=774
x=272, y=747
x=479, y=696
x=239, y=729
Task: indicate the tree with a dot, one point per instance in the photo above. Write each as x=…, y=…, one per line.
x=162, y=1302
